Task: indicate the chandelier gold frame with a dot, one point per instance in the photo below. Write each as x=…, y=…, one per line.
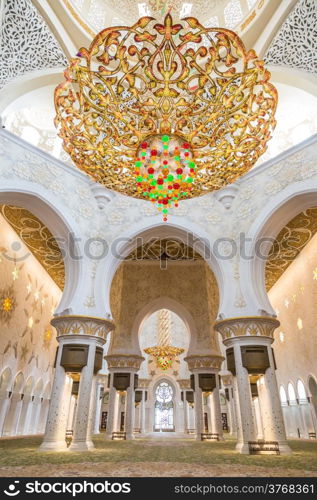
x=164, y=355
x=199, y=84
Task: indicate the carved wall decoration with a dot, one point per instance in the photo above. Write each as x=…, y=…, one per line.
x=38, y=239
x=204, y=362
x=295, y=45
x=289, y=243
x=124, y=361
x=26, y=43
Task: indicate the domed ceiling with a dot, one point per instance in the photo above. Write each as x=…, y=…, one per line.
x=97, y=14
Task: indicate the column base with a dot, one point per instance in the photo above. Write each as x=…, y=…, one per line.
x=129, y=437
x=243, y=448
x=53, y=446
x=81, y=446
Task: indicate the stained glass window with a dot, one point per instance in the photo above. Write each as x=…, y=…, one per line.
x=164, y=408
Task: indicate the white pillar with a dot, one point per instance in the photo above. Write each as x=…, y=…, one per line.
x=81, y=441
x=271, y=410
x=98, y=410
x=130, y=407
x=198, y=402
x=247, y=425
x=142, y=413
x=54, y=437
x=92, y=412
x=186, y=415
x=216, y=420
x=71, y=412
x=113, y=404
x=258, y=417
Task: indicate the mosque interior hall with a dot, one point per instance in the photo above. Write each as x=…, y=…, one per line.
x=158, y=238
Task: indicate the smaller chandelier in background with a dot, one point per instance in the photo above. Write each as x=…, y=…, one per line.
x=164, y=353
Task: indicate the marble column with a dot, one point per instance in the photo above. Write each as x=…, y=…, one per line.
x=186, y=415
x=35, y=415
x=246, y=332
x=270, y=403
x=73, y=330
x=142, y=414
x=258, y=418
x=13, y=415
x=248, y=432
x=129, y=364
x=198, y=403
x=81, y=439
x=97, y=416
x=130, y=409
x=216, y=420
x=113, y=404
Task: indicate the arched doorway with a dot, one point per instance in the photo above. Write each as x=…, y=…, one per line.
x=164, y=408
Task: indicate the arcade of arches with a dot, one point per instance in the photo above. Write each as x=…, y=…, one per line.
x=118, y=327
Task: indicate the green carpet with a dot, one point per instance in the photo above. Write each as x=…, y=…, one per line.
x=24, y=451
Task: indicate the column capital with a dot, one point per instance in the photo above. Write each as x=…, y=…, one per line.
x=143, y=383
x=226, y=378
x=129, y=362
x=204, y=363
x=184, y=384
x=82, y=325
x=248, y=326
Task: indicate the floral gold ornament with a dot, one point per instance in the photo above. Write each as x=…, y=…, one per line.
x=164, y=353
x=183, y=94
x=8, y=304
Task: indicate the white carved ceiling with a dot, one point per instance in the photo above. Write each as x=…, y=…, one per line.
x=26, y=43
x=295, y=44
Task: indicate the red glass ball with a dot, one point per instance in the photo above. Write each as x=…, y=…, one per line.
x=150, y=170
x=144, y=145
x=165, y=201
x=165, y=162
x=185, y=145
x=176, y=185
x=160, y=181
x=164, y=219
x=153, y=152
x=179, y=171
x=186, y=154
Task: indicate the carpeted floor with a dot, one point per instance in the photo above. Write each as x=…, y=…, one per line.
x=153, y=457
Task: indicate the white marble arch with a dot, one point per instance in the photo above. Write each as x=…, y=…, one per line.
x=155, y=382
x=5, y=379
x=177, y=228
x=281, y=208
x=44, y=205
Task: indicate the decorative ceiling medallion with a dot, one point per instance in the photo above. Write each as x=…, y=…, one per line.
x=137, y=85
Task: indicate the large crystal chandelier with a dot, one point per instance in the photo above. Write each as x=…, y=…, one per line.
x=165, y=112
x=164, y=353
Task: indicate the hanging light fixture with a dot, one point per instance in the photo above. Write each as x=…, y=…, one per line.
x=164, y=353
x=165, y=112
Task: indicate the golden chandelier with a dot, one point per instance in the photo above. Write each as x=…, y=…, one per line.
x=165, y=112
